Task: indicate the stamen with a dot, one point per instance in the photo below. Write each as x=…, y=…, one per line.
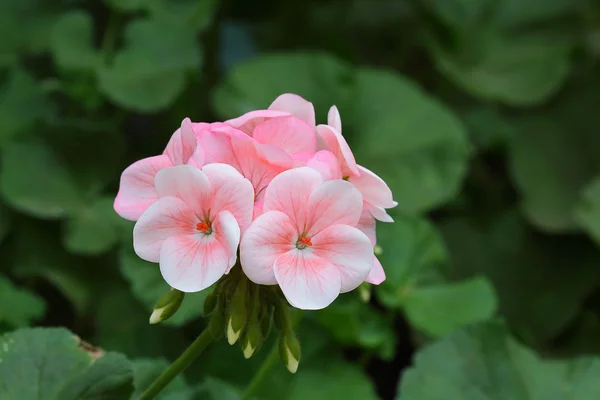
x=204, y=227
x=303, y=242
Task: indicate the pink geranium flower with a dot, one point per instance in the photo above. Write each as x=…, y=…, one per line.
x=136, y=190
x=193, y=229
x=306, y=240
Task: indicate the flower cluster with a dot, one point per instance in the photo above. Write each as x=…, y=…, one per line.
x=287, y=192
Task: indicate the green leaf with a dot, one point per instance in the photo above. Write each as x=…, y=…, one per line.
x=587, y=211
x=537, y=295
x=22, y=104
x=149, y=73
x=148, y=285
x=352, y=322
x=439, y=309
x=35, y=181
x=334, y=380
x=72, y=41
x=408, y=138
x=5, y=222
x=254, y=84
x=146, y=370
x=490, y=61
x=484, y=362
x=94, y=229
x=129, y=5
x=21, y=307
x=50, y=363
x=413, y=255
x=216, y=389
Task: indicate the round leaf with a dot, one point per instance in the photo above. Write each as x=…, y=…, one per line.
x=72, y=39
x=25, y=307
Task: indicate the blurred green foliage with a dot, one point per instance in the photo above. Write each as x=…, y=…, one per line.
x=482, y=115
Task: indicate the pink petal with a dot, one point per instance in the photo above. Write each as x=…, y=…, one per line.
x=373, y=188
x=326, y=164
x=217, y=147
x=289, y=192
x=137, y=191
x=197, y=158
x=288, y=133
x=295, y=105
x=227, y=231
x=334, y=120
x=335, y=142
x=168, y=216
x=270, y=235
x=182, y=144
x=193, y=262
x=230, y=191
x=378, y=213
x=247, y=122
x=307, y=281
x=377, y=274
x=331, y=203
x=349, y=250
x=367, y=225
x=187, y=183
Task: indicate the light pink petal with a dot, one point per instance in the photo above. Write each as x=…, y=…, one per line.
x=289, y=192
x=288, y=133
x=295, y=105
x=247, y=122
x=217, y=147
x=274, y=155
x=373, y=188
x=182, y=144
x=185, y=182
x=378, y=213
x=227, y=231
x=335, y=142
x=197, y=158
x=331, y=203
x=168, y=216
x=230, y=191
x=137, y=191
x=270, y=235
x=193, y=262
x=367, y=225
x=326, y=163
x=377, y=274
x=349, y=250
x=258, y=209
x=307, y=281
x=334, y=120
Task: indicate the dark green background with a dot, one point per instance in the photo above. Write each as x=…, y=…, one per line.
x=482, y=115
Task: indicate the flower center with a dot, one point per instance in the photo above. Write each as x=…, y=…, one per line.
x=204, y=227
x=302, y=242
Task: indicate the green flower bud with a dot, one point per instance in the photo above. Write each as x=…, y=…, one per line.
x=289, y=350
x=238, y=314
x=364, y=290
x=166, y=306
x=253, y=339
x=210, y=302
x=216, y=324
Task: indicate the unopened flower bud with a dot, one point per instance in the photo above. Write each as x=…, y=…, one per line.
x=378, y=250
x=238, y=313
x=253, y=338
x=166, y=306
x=289, y=351
x=210, y=303
x=364, y=290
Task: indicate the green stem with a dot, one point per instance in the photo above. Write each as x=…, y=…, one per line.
x=259, y=377
x=184, y=360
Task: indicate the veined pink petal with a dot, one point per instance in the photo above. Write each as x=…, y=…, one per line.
x=247, y=122
x=326, y=163
x=274, y=155
x=137, y=191
x=227, y=231
x=289, y=192
x=334, y=120
x=289, y=133
x=217, y=147
x=373, y=188
x=378, y=213
x=197, y=158
x=331, y=203
x=377, y=274
x=182, y=144
x=270, y=235
x=349, y=250
x=193, y=262
x=185, y=182
x=168, y=216
x=230, y=191
x=335, y=142
x=295, y=105
x=308, y=282
x=367, y=225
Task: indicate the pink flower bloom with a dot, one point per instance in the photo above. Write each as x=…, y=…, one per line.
x=194, y=227
x=306, y=240
x=136, y=190
x=367, y=225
